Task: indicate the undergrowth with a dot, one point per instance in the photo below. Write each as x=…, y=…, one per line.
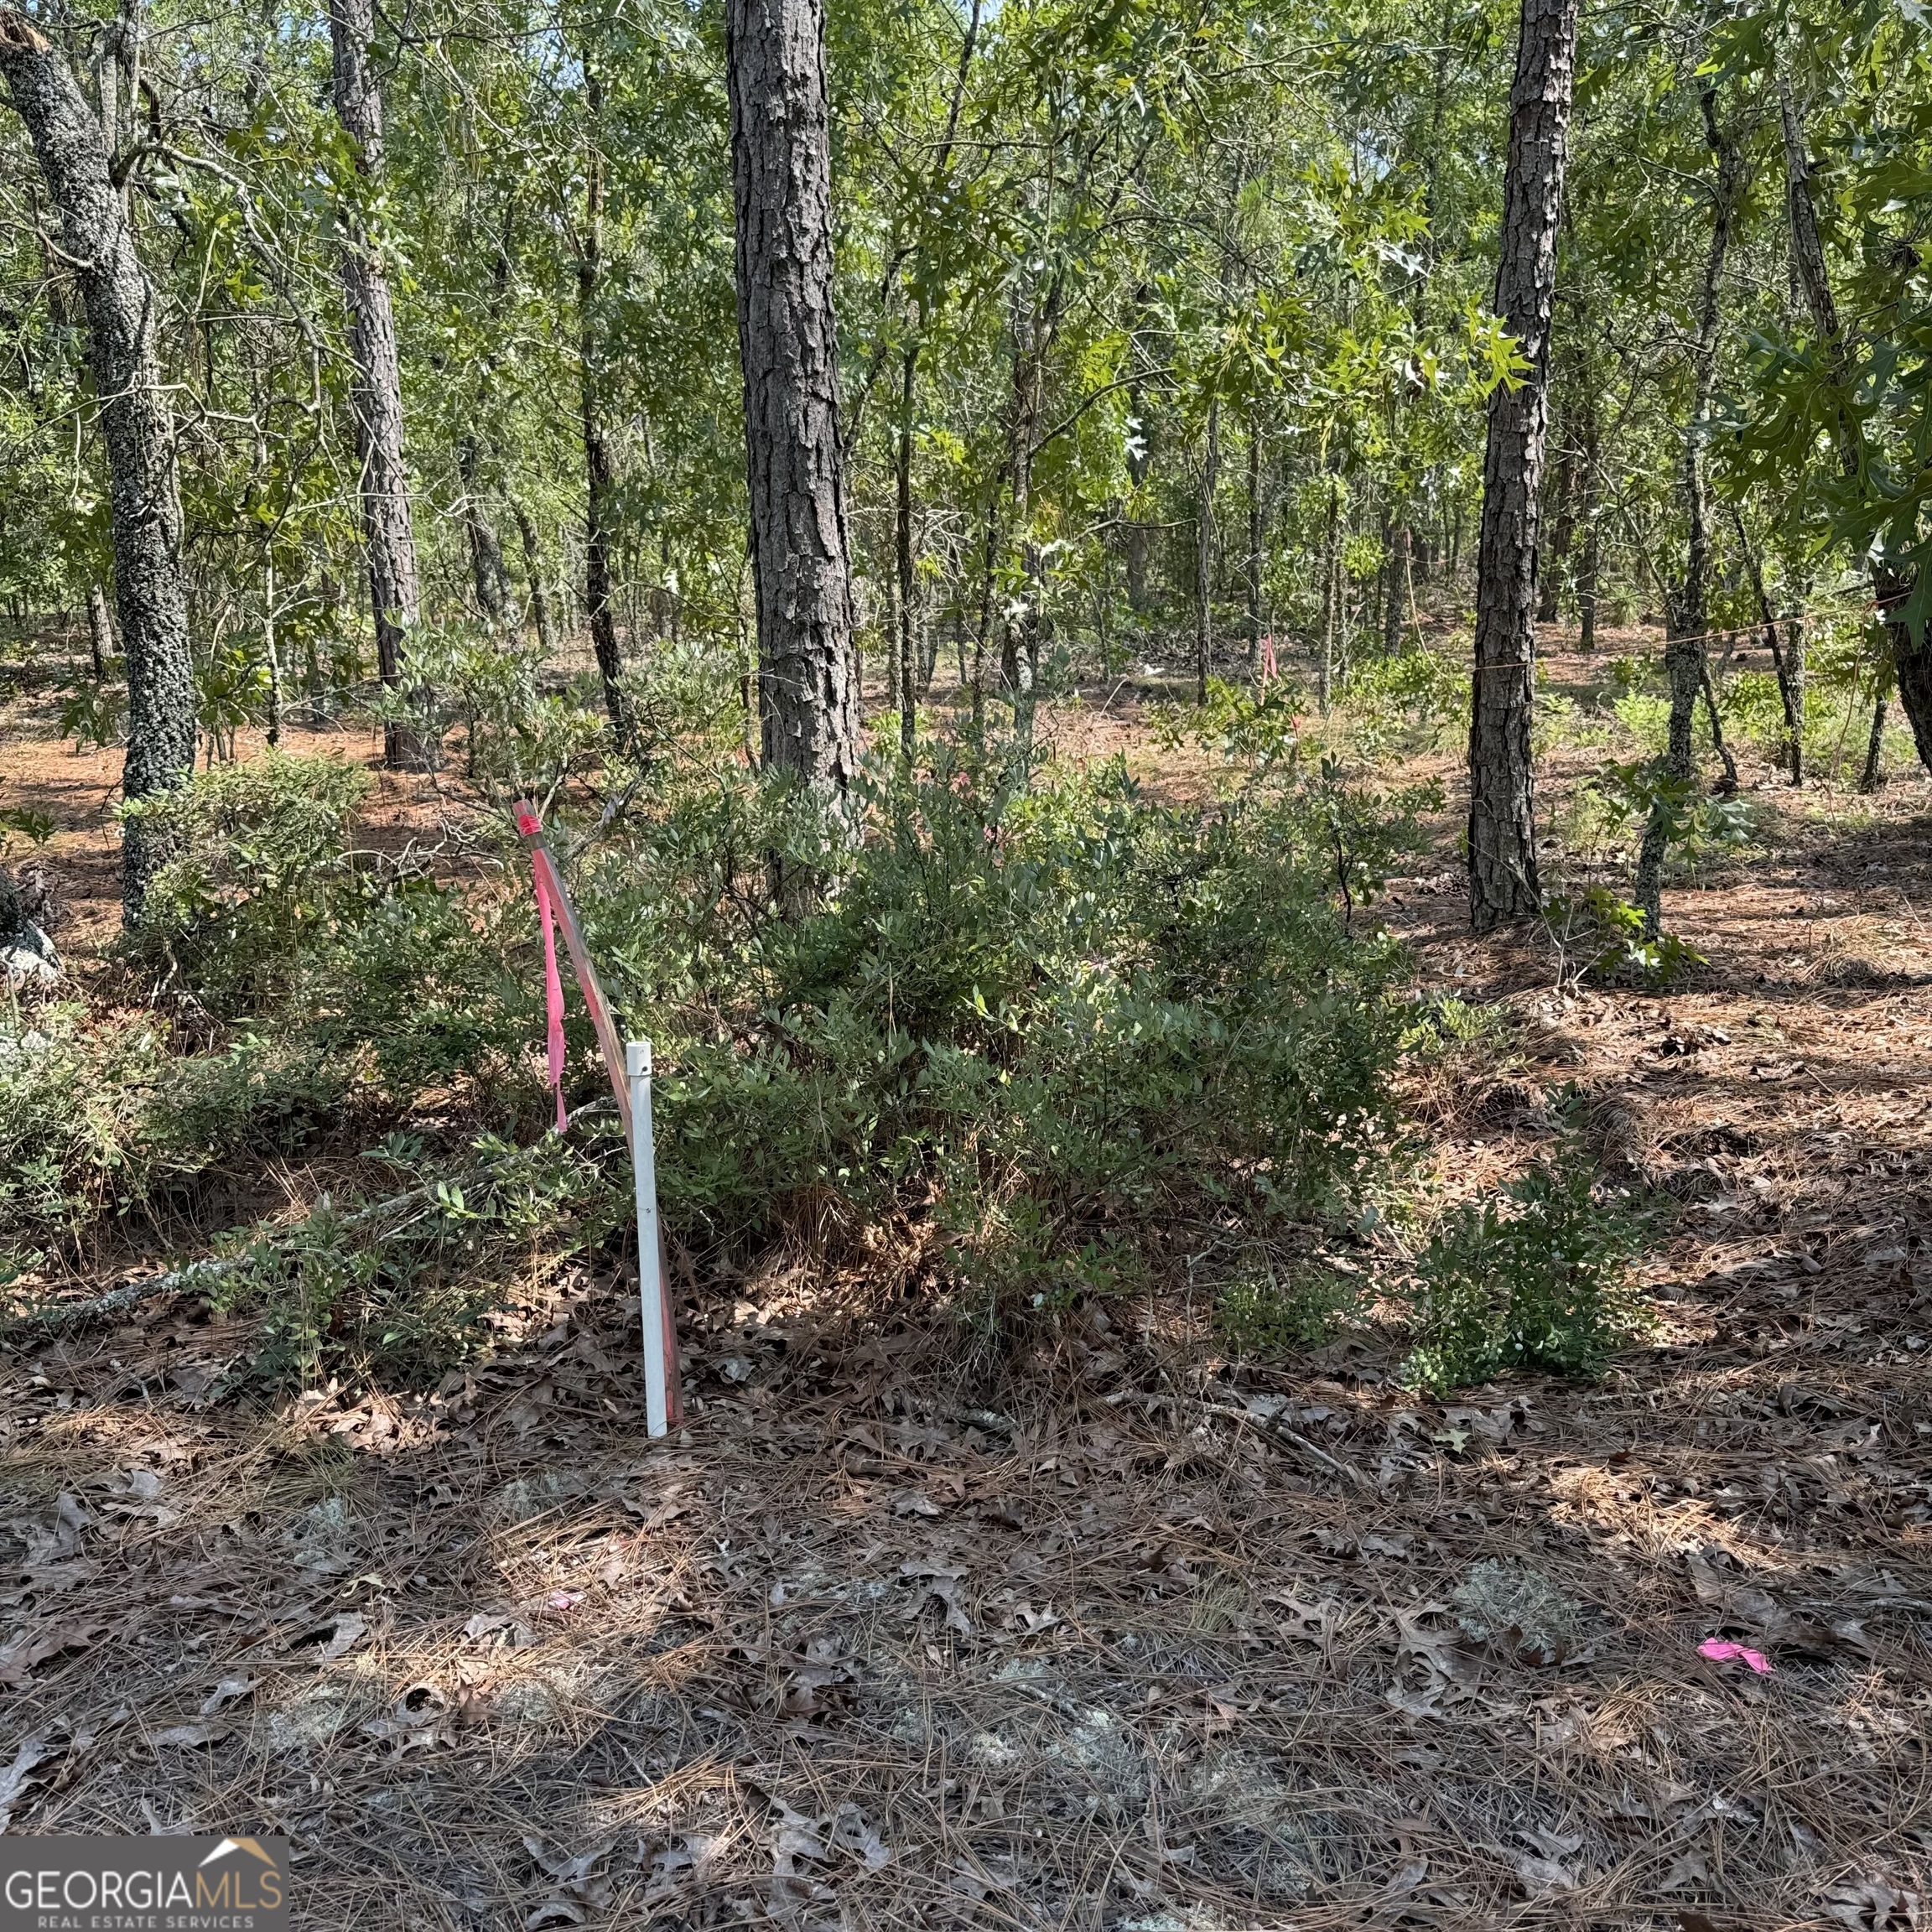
x=1537, y=1277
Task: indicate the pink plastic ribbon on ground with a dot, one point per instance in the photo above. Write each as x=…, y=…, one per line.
x=552, y=985
x=1720, y=1651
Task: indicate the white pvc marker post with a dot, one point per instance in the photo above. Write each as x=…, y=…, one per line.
x=649, y=1282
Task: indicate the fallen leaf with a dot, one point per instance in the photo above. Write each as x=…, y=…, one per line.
x=346, y=1632
x=227, y=1692
x=34, y=1751
x=1872, y=1905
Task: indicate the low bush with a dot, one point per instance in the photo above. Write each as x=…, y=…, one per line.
x=102, y=1121
x=1268, y=1311
x=401, y=1288
x=1537, y=1277
x=1038, y=1016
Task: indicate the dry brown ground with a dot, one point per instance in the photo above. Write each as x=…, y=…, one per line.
x=1121, y=1633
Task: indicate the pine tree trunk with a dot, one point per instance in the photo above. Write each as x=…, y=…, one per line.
x=137, y=423
x=781, y=180
x=486, y=570
x=1685, y=665
x=375, y=395
x=1204, y=555
x=1503, y=880
x=533, y=569
x=902, y=532
x=600, y=471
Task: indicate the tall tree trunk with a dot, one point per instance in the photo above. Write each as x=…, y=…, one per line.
x=1503, y=880
x=1395, y=610
x=1254, y=543
x=376, y=391
x=486, y=570
x=908, y=679
x=1590, y=564
x=1790, y=689
x=1911, y=656
x=1204, y=554
x=1330, y=566
x=600, y=471
x=782, y=182
x=533, y=569
x=100, y=632
x=1873, y=774
x=1686, y=663
x=138, y=426
x=1562, y=532
x=1139, y=455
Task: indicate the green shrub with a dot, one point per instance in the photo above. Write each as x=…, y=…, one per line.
x=1539, y=1278
x=400, y=1288
x=259, y=870
x=1606, y=933
x=1270, y=1313
x=1039, y=1017
x=104, y=1119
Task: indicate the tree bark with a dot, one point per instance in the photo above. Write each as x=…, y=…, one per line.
x=100, y=632
x=1503, y=879
x=908, y=678
x=1562, y=532
x=138, y=426
x=1685, y=662
x=1790, y=689
x=1589, y=565
x=1204, y=554
x=1331, y=565
x=782, y=182
x=533, y=569
x=1393, y=609
x=1254, y=543
x=1139, y=455
x=1873, y=774
x=486, y=570
x=600, y=471
x=375, y=395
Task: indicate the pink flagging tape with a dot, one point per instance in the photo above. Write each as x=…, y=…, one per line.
x=553, y=901
x=1721, y=1650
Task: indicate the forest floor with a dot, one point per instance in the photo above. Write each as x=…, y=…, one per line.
x=1125, y=1634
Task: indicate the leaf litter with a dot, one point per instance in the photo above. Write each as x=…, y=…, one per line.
x=1111, y=1630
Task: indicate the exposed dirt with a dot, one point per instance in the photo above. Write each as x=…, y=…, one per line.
x=1120, y=1633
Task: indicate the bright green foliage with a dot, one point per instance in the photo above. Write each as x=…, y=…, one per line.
x=101, y=1120
x=1267, y=1312
x=399, y=1290
x=261, y=867
x=1606, y=932
x=1051, y=1019
x=1537, y=1277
